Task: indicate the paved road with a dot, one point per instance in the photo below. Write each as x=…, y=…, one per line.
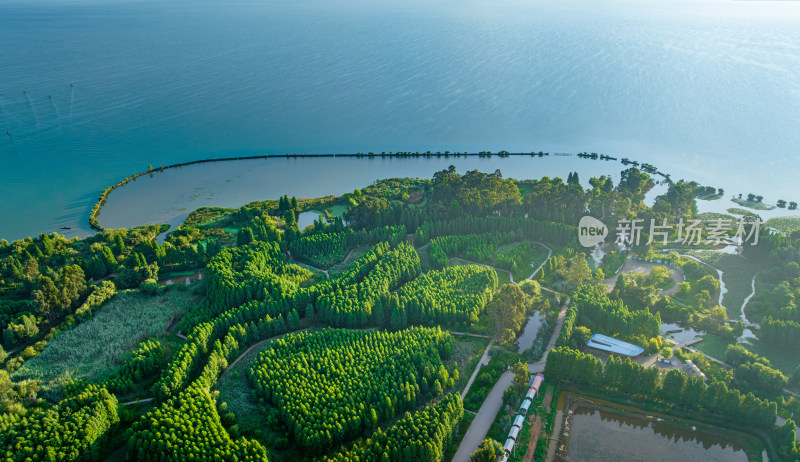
x=486, y=414
x=483, y=421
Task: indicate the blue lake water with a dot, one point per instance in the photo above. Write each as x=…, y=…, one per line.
x=91, y=91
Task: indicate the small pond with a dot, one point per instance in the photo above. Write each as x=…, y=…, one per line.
x=305, y=219
x=602, y=432
x=525, y=340
x=683, y=334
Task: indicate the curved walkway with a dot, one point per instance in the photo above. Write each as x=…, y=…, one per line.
x=549, y=254
x=641, y=267
x=510, y=275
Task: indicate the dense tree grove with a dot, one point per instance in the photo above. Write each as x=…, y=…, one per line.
x=524, y=227
x=760, y=378
x=674, y=388
x=489, y=451
x=325, y=249
x=476, y=192
x=415, y=437
x=252, y=319
x=478, y=247
x=188, y=427
x=99, y=294
x=453, y=295
x=144, y=360
x=507, y=312
x=258, y=271
x=367, y=393
x=781, y=333
x=353, y=305
x=737, y=354
x=611, y=317
x=331, y=385
x=777, y=299
x=70, y=430
x=320, y=250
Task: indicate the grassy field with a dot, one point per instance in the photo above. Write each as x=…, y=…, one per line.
x=177, y=274
x=785, y=225
x=340, y=268
x=337, y=210
x=737, y=274
x=786, y=361
x=715, y=346
x=424, y=253
x=317, y=275
x=466, y=353
x=234, y=389
x=94, y=347
x=539, y=254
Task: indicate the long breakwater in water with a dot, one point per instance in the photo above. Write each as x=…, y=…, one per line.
x=101, y=201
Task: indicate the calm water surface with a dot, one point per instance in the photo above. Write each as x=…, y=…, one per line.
x=601, y=436
x=92, y=91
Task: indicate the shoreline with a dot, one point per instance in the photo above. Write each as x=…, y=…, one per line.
x=94, y=223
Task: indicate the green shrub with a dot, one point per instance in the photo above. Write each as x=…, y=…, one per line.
x=29, y=353
x=150, y=287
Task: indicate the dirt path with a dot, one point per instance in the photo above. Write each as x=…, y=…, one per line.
x=548, y=398
x=481, y=362
x=138, y=401
x=536, y=429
